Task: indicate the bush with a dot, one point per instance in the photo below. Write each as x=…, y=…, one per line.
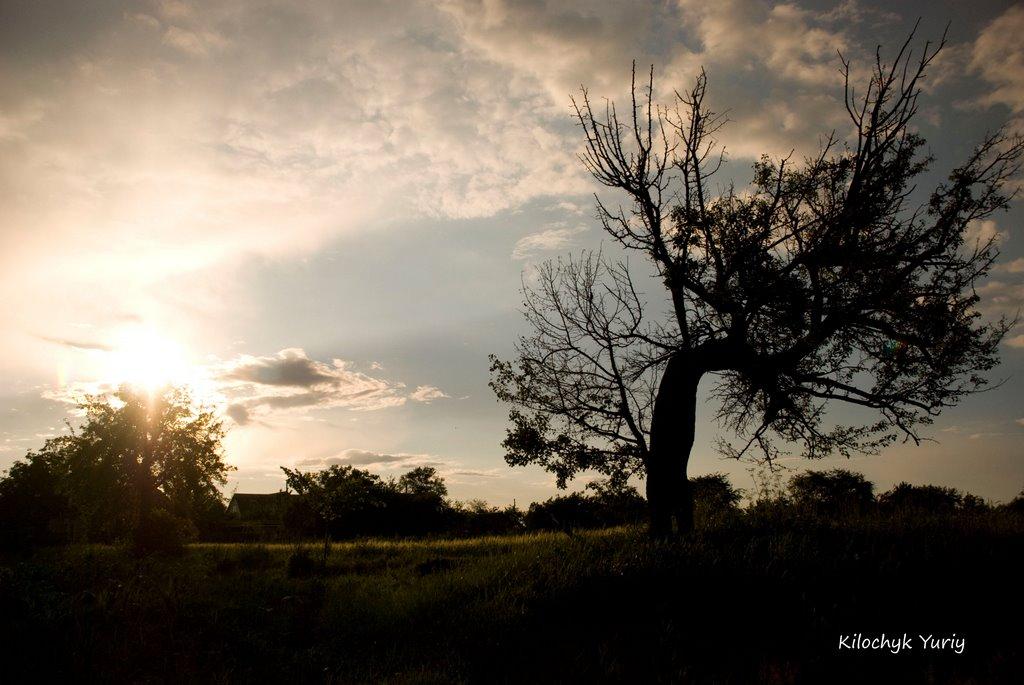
x=610, y=504
x=713, y=497
x=831, y=493
x=161, y=532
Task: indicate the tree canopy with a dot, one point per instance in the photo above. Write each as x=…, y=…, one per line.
x=136, y=457
x=829, y=280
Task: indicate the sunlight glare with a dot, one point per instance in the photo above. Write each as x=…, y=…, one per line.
x=143, y=358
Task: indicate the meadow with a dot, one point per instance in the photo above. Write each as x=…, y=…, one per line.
x=746, y=598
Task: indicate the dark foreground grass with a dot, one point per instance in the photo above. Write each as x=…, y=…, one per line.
x=739, y=602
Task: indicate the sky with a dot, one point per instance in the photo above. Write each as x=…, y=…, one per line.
x=319, y=214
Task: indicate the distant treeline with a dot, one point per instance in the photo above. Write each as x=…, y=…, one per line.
x=344, y=502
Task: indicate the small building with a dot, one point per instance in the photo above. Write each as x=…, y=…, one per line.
x=267, y=509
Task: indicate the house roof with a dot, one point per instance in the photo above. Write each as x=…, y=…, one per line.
x=260, y=505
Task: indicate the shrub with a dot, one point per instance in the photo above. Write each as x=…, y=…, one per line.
x=161, y=532
x=713, y=496
x=610, y=504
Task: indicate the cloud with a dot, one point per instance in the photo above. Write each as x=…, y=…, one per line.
x=551, y=239
x=426, y=393
x=998, y=57
x=290, y=380
x=772, y=66
x=979, y=232
x=1016, y=341
x=238, y=413
x=452, y=470
x=193, y=137
x=1014, y=267
x=196, y=44
x=72, y=393
x=493, y=473
x=78, y=344
x=358, y=457
x=289, y=367
x=1001, y=298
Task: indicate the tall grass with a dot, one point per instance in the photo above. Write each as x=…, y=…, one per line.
x=752, y=598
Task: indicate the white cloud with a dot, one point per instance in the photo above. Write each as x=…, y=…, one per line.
x=197, y=44
x=191, y=138
x=773, y=66
x=558, y=237
x=426, y=393
x=979, y=232
x=998, y=56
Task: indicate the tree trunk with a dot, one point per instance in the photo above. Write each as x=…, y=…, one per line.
x=673, y=425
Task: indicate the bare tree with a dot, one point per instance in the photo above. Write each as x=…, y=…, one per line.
x=824, y=283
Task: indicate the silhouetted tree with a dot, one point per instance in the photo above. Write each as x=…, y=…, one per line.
x=477, y=517
x=832, y=492
x=34, y=506
x=343, y=501
x=144, y=466
x=1016, y=505
x=973, y=503
x=423, y=482
x=824, y=282
x=347, y=501
x=932, y=499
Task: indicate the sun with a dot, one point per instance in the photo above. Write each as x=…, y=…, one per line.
x=143, y=358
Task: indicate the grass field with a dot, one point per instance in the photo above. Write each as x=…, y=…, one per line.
x=740, y=601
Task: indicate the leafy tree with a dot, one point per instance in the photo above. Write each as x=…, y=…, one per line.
x=1016, y=505
x=33, y=506
x=144, y=466
x=343, y=501
x=423, y=482
x=973, y=503
x=477, y=517
x=346, y=499
x=826, y=282
x=832, y=492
